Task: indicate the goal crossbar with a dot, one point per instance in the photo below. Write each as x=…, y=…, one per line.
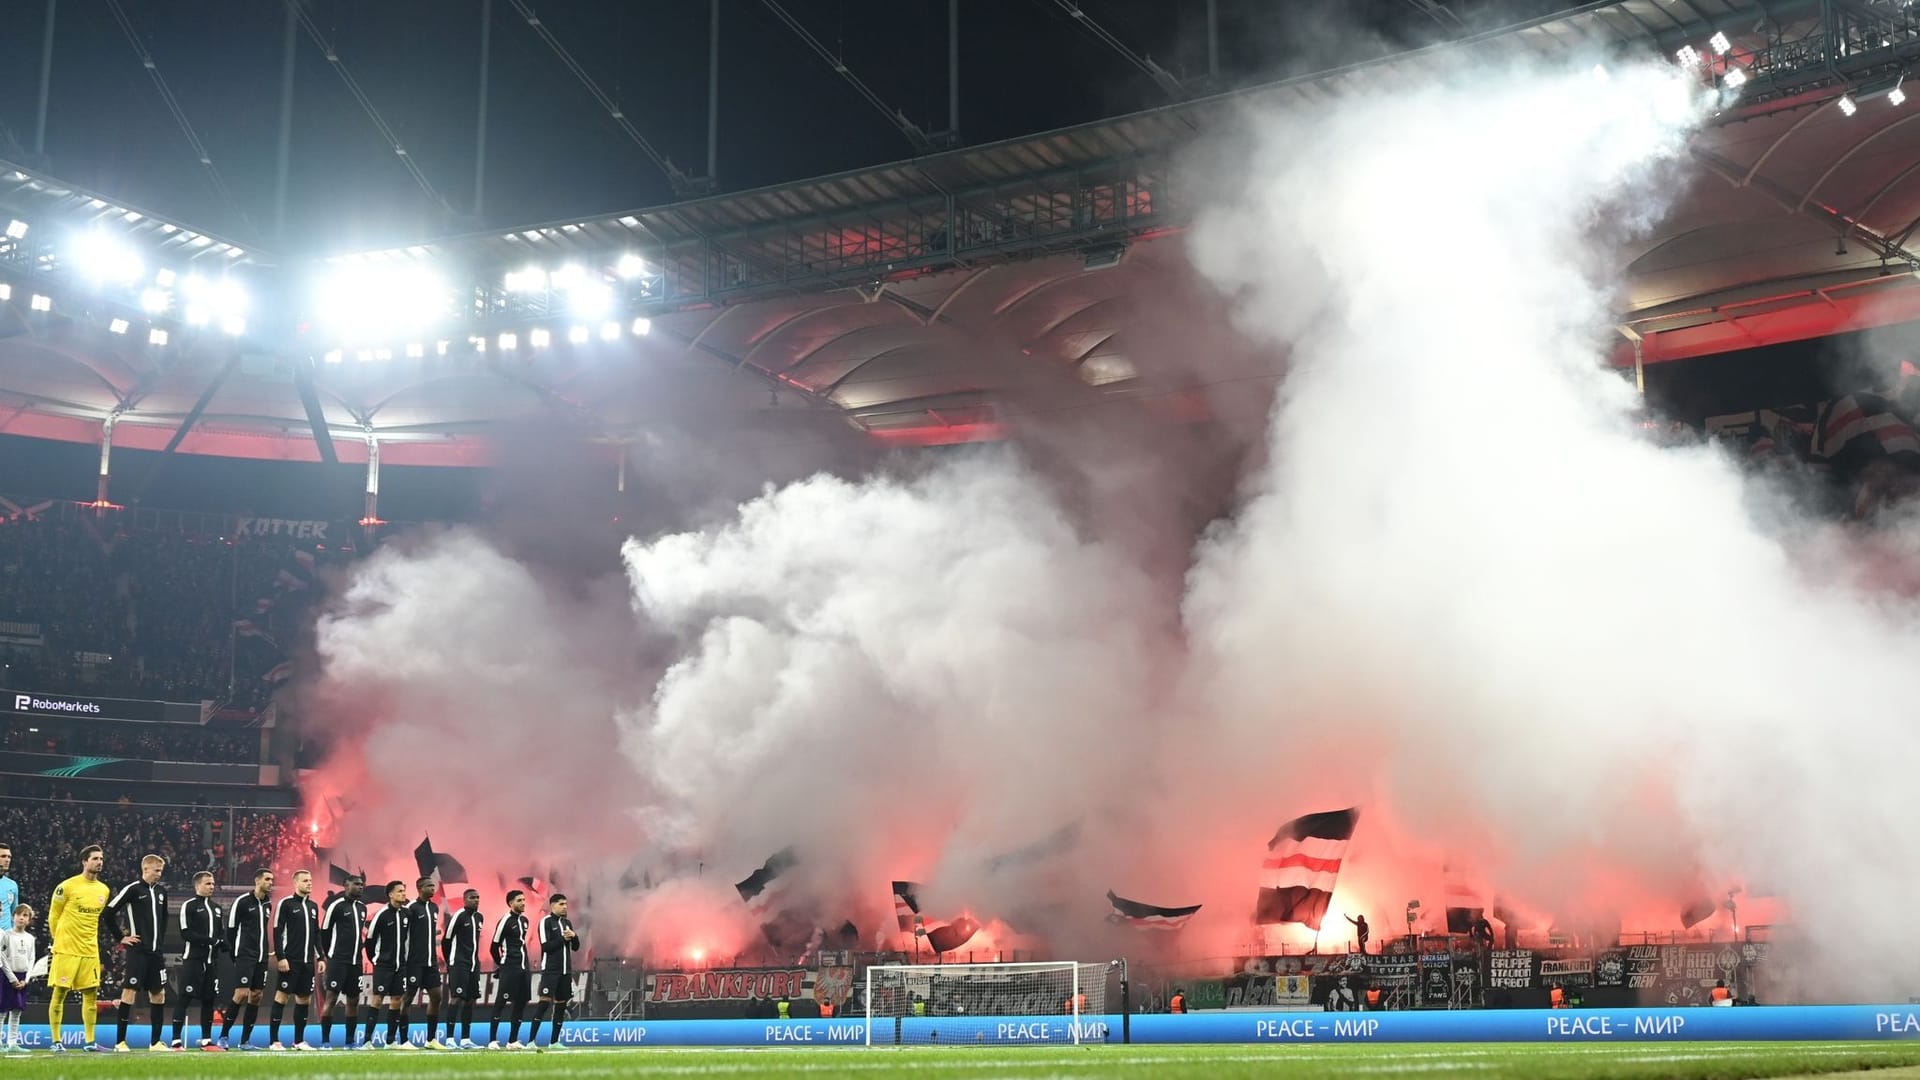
x=960, y=1004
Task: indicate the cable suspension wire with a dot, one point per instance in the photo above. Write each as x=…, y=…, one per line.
x=1158, y=74
x=682, y=183
x=179, y=116
x=366, y=106
x=894, y=116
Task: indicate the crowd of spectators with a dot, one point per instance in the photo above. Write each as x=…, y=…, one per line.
x=47, y=835
x=145, y=742
x=125, y=611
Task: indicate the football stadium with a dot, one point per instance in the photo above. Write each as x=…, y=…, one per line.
x=1041, y=538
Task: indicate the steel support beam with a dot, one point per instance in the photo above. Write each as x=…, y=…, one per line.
x=316, y=415
x=46, y=84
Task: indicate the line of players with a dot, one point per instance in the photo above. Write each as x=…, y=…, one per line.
x=296, y=943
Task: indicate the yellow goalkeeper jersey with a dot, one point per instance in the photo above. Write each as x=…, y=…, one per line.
x=74, y=915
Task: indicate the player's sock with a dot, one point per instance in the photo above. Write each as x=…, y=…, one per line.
x=56, y=1010
x=326, y=1028
x=299, y=1022
x=126, y=1013
x=433, y=1021
x=513, y=1031
x=206, y=1019
x=248, y=1015
x=559, y=1018
x=374, y=1018
x=232, y=1018
x=466, y=1021
x=90, y=1012
x=396, y=1020
x=156, y=1013
x=273, y=1020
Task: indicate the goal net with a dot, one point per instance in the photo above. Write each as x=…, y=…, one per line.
x=985, y=1004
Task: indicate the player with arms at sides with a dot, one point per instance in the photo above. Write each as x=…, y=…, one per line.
x=423, y=956
x=9, y=888
x=296, y=941
x=73, y=920
x=203, y=928
x=141, y=906
x=16, y=967
x=558, y=943
x=250, y=937
x=463, y=966
x=387, y=951
x=343, y=929
x=513, y=981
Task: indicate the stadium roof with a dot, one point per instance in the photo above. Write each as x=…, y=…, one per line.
x=907, y=298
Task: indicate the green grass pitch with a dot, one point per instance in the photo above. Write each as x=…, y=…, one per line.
x=1689, y=1061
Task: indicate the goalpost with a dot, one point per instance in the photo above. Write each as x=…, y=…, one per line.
x=985, y=1004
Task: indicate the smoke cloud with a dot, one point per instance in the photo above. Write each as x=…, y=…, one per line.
x=1454, y=588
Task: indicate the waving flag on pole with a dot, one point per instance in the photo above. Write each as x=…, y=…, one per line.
x=1464, y=906
x=1148, y=916
x=1302, y=864
x=438, y=865
x=906, y=903
x=947, y=938
x=753, y=890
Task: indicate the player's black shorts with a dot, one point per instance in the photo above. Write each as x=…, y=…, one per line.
x=145, y=971
x=463, y=982
x=557, y=985
x=249, y=974
x=200, y=980
x=343, y=977
x=388, y=982
x=423, y=977
x=513, y=984
x=297, y=979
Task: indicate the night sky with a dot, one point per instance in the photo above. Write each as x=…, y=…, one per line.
x=1025, y=67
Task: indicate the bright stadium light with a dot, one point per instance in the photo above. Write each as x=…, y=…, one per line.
x=155, y=301
x=233, y=326
x=1721, y=46
x=118, y=326
x=16, y=230
x=1688, y=56
x=156, y=336
x=198, y=315
x=1847, y=107
x=1897, y=95
x=102, y=259
x=416, y=350
x=1735, y=79
x=568, y=277
x=642, y=327
x=578, y=335
x=609, y=331
x=383, y=354
x=540, y=338
x=442, y=347
x=509, y=340
x=365, y=356
x=591, y=300
x=526, y=280
x=479, y=343
x=372, y=302
x=165, y=278
x=630, y=266
x=41, y=302
x=333, y=356
x=6, y=291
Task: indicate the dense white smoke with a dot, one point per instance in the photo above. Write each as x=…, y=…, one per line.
x=1527, y=633
x=1457, y=590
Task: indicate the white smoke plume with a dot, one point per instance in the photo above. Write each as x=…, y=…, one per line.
x=1521, y=630
x=1456, y=590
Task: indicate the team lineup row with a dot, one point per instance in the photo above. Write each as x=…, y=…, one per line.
x=299, y=945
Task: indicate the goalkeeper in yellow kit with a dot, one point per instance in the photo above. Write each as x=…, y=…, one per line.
x=73, y=919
